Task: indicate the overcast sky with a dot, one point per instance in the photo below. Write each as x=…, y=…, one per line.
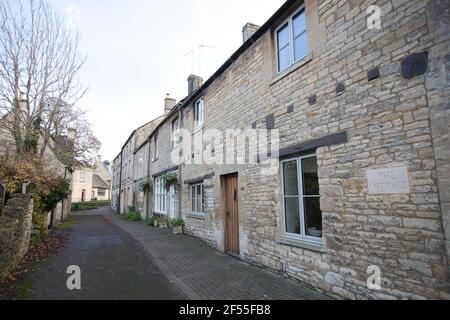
x=137, y=52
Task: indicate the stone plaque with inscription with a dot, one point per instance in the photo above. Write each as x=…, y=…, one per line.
x=388, y=180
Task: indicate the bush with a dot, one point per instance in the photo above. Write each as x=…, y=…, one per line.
x=151, y=221
x=177, y=223
x=91, y=205
x=133, y=215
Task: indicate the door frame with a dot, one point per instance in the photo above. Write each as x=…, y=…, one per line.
x=223, y=180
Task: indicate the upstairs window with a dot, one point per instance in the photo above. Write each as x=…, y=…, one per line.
x=198, y=113
x=175, y=132
x=156, y=148
x=82, y=176
x=291, y=41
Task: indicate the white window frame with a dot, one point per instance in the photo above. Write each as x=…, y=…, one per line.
x=160, y=196
x=299, y=237
x=176, y=132
x=199, y=119
x=82, y=176
x=156, y=145
x=197, y=185
x=289, y=22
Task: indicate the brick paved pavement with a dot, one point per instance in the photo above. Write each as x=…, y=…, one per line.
x=200, y=272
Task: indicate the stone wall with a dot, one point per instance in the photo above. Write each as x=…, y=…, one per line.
x=15, y=231
x=388, y=123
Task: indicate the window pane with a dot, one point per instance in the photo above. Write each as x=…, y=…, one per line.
x=199, y=204
x=284, y=59
x=300, y=46
x=292, y=215
x=199, y=191
x=310, y=177
x=290, y=178
x=313, y=217
x=283, y=37
x=299, y=23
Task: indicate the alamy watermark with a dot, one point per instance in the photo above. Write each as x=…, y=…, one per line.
x=374, y=281
x=228, y=147
x=374, y=17
x=74, y=280
x=73, y=17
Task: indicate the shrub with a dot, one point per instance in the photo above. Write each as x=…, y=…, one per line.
x=133, y=215
x=177, y=223
x=91, y=205
x=151, y=221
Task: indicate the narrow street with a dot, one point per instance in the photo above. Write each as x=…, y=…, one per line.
x=128, y=260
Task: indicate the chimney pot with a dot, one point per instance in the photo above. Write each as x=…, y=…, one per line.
x=194, y=83
x=248, y=30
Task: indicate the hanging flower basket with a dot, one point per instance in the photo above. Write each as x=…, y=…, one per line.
x=146, y=187
x=170, y=179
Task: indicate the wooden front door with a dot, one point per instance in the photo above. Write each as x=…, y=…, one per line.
x=231, y=214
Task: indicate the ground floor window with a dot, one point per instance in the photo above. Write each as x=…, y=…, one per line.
x=197, y=199
x=301, y=198
x=102, y=193
x=160, y=196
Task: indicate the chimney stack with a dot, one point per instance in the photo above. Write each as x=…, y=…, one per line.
x=194, y=83
x=248, y=30
x=99, y=159
x=169, y=103
x=23, y=104
x=71, y=132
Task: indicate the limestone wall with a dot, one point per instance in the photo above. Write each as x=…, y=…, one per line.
x=15, y=232
x=387, y=120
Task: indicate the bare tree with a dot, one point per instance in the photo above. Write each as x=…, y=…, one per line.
x=39, y=63
x=65, y=119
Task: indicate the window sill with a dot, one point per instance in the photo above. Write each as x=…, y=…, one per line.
x=197, y=216
x=319, y=247
x=291, y=69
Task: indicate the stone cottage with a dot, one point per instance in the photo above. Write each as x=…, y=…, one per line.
x=92, y=183
x=352, y=99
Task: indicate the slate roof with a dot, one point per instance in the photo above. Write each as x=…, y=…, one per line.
x=99, y=183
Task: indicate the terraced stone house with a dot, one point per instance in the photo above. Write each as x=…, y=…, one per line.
x=358, y=95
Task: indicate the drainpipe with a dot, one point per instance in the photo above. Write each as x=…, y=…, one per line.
x=120, y=182
x=147, y=214
x=179, y=168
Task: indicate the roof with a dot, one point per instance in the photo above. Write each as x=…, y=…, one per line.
x=247, y=44
x=134, y=131
x=99, y=183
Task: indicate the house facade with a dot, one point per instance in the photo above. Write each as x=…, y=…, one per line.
x=320, y=149
x=92, y=183
x=133, y=163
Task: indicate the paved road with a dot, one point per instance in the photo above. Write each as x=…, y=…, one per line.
x=132, y=261
x=113, y=266
x=203, y=273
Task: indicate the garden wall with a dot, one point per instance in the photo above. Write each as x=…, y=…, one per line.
x=15, y=231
